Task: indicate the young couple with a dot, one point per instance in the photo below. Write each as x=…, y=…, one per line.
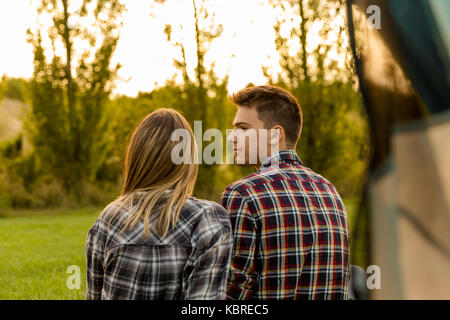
x=279, y=233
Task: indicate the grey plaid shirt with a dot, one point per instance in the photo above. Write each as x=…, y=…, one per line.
x=190, y=262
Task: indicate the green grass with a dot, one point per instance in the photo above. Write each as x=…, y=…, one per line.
x=37, y=247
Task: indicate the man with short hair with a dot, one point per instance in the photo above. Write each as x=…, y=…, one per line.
x=291, y=238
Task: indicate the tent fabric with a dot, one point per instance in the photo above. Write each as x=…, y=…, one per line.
x=411, y=217
x=422, y=202
x=403, y=75
x=423, y=51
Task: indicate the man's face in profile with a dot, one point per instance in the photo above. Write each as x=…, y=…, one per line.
x=249, y=137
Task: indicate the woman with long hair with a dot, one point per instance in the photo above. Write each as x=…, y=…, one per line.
x=157, y=241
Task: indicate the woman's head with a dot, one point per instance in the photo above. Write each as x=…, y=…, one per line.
x=148, y=160
x=151, y=177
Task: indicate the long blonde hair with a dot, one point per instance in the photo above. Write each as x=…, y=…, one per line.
x=150, y=175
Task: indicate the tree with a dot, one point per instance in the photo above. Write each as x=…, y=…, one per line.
x=317, y=54
x=316, y=68
x=2, y=88
x=205, y=95
x=13, y=88
x=69, y=90
x=335, y=137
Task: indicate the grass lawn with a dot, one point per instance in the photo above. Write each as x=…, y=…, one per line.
x=37, y=247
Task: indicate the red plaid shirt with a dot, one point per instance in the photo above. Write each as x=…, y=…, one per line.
x=291, y=238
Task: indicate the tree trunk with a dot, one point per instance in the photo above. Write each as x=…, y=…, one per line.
x=77, y=175
x=303, y=41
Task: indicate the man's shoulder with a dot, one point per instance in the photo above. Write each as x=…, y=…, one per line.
x=245, y=185
x=309, y=175
x=247, y=182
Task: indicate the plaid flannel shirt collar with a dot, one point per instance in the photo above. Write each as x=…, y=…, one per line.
x=275, y=158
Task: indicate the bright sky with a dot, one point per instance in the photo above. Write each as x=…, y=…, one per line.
x=246, y=44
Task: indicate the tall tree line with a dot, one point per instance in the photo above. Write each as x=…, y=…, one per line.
x=334, y=138
x=79, y=132
x=69, y=91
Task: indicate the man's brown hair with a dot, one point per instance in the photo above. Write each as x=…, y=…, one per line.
x=274, y=105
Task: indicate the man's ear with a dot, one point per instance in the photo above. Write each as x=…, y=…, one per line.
x=276, y=134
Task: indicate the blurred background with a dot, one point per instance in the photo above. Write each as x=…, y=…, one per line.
x=401, y=50
x=78, y=75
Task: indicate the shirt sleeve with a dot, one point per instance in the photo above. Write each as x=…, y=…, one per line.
x=243, y=277
x=208, y=278
x=94, y=262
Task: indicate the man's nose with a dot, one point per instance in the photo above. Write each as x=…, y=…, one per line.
x=232, y=137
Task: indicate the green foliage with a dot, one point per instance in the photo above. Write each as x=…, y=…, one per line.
x=13, y=88
x=315, y=64
x=334, y=139
x=2, y=90
x=24, y=185
x=11, y=148
x=67, y=124
x=79, y=134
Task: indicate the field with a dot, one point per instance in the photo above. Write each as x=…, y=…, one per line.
x=37, y=247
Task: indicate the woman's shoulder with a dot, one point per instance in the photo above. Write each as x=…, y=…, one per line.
x=205, y=206
x=207, y=210
x=209, y=221
x=112, y=214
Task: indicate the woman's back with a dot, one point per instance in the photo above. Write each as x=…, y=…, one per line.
x=190, y=262
x=156, y=241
